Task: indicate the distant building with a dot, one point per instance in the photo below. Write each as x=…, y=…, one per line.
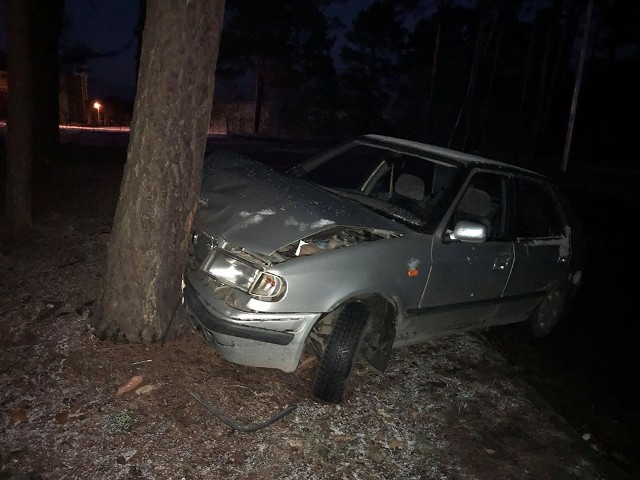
x=73, y=97
x=235, y=117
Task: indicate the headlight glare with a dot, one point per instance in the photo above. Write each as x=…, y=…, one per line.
x=231, y=271
x=236, y=273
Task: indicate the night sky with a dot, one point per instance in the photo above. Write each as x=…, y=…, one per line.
x=105, y=26
x=109, y=25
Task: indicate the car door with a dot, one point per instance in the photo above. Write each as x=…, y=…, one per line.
x=466, y=280
x=542, y=249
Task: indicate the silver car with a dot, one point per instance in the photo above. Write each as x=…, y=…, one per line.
x=377, y=243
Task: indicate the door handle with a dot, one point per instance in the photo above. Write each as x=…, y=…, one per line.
x=500, y=264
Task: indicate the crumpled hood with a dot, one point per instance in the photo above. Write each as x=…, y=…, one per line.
x=255, y=207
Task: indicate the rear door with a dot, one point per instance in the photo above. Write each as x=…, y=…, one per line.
x=542, y=249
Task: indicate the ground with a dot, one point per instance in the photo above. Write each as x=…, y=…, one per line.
x=454, y=408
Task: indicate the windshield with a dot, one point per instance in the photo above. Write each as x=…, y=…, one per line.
x=401, y=185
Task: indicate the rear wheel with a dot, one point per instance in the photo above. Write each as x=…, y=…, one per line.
x=550, y=311
x=340, y=352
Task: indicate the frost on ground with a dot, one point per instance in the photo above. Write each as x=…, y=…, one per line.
x=449, y=409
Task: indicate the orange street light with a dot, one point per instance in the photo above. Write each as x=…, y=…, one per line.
x=97, y=106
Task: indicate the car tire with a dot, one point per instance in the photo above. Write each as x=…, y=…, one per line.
x=552, y=308
x=340, y=353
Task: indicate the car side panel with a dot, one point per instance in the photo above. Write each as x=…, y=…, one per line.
x=538, y=266
x=464, y=286
x=323, y=281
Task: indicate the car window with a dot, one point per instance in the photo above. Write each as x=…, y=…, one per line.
x=348, y=170
x=485, y=201
x=434, y=177
x=403, y=185
x=536, y=210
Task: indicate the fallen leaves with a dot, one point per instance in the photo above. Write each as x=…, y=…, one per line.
x=103, y=238
x=62, y=417
x=146, y=389
x=295, y=444
x=131, y=385
x=18, y=416
x=307, y=362
x=397, y=444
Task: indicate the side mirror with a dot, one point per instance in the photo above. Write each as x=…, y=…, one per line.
x=466, y=231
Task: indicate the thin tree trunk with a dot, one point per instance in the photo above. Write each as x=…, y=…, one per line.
x=257, y=116
x=20, y=117
x=551, y=46
x=492, y=76
x=576, y=90
x=471, y=83
x=434, y=65
x=525, y=80
x=562, y=57
x=150, y=236
x=485, y=49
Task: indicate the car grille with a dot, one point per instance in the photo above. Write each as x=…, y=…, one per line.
x=202, y=245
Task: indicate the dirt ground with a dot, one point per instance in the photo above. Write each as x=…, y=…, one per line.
x=450, y=409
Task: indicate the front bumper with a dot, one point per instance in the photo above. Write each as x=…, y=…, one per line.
x=271, y=340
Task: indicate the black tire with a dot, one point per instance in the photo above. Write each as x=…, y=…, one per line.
x=552, y=308
x=340, y=353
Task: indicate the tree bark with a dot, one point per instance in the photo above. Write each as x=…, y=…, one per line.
x=150, y=236
x=20, y=118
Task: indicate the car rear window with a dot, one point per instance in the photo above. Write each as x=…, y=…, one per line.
x=536, y=210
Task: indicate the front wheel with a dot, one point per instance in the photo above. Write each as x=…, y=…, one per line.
x=340, y=352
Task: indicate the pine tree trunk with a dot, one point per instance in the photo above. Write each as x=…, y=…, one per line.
x=434, y=65
x=20, y=116
x=576, y=88
x=478, y=50
x=150, y=236
x=257, y=115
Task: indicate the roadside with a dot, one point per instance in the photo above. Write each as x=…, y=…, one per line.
x=450, y=409
x=588, y=367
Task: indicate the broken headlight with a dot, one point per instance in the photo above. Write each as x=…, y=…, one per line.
x=236, y=273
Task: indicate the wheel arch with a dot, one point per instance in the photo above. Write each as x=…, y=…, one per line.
x=381, y=327
x=381, y=330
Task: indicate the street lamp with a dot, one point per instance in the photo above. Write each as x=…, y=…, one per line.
x=97, y=106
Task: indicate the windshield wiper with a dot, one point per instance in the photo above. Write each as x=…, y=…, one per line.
x=382, y=206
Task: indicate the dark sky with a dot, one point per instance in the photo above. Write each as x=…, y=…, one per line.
x=106, y=26
x=109, y=25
